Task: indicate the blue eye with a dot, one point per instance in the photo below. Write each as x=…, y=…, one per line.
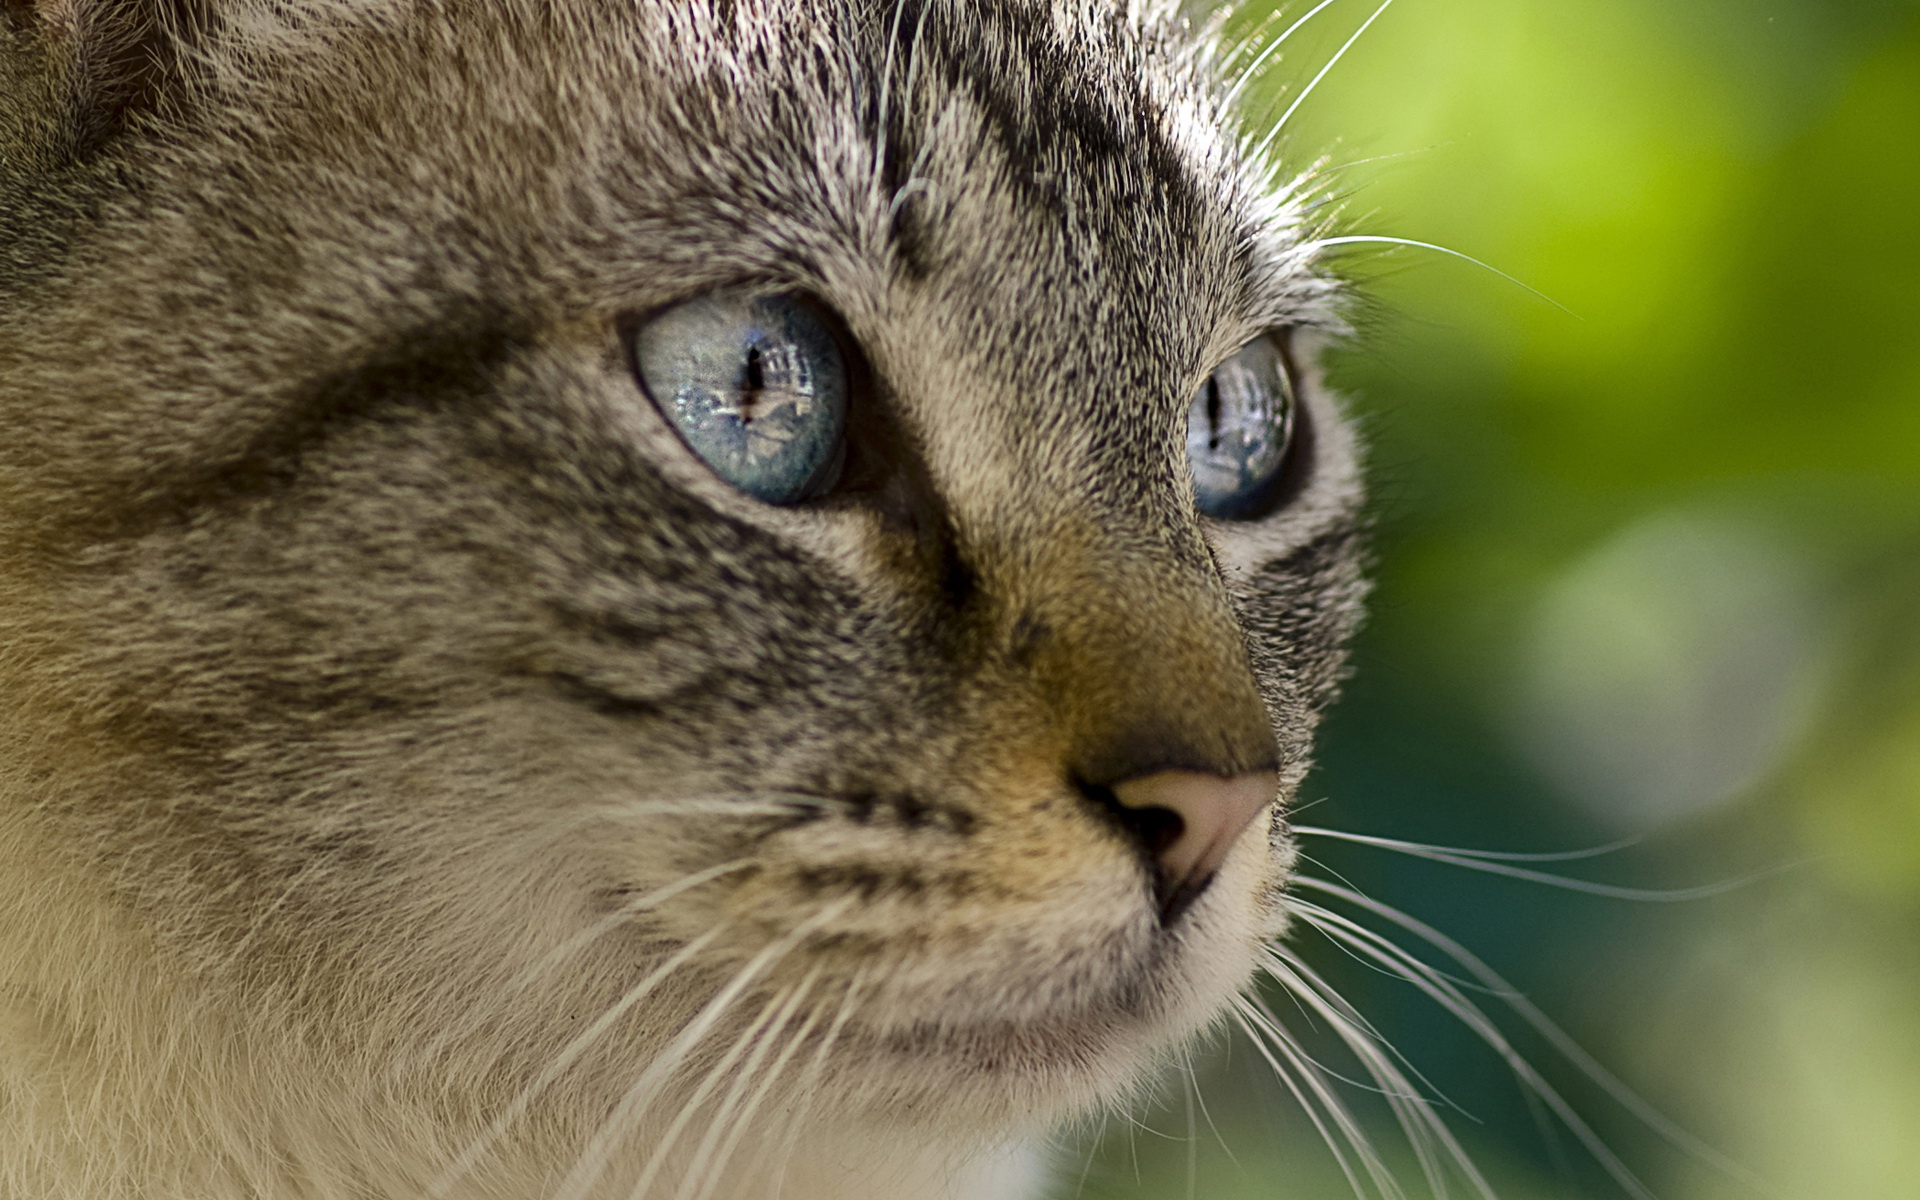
x=755, y=385
x=1238, y=430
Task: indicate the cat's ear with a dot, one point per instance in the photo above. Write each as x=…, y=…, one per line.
x=98, y=65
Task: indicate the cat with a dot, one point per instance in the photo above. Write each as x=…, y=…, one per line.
x=640, y=598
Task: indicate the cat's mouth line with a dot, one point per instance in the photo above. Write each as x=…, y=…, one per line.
x=823, y=865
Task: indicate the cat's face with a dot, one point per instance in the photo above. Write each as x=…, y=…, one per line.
x=443, y=700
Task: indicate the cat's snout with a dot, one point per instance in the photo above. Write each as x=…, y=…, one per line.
x=1187, y=821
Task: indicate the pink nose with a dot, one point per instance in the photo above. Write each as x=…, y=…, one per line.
x=1212, y=811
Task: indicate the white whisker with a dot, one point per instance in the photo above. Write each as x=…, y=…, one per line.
x=810, y=1080
x=1460, y=852
x=1201, y=1098
x=886, y=94
x=642, y=1093
x=1315, y=1017
x=1309, y=1075
x=627, y=910
x=1453, y=1000
x=1338, y=168
x=1313, y=83
x=1285, y=1073
x=1414, y=1111
x=1347, y=1013
x=1361, y=239
x=1500, y=864
x=743, y=1121
x=711, y=1077
x=729, y=1120
x=1266, y=52
x=1558, y=1038
x=1307, y=910
x=1315, y=1008
x=567, y=1056
x=908, y=190
x=1242, y=47
x=1193, y=1129
x=751, y=805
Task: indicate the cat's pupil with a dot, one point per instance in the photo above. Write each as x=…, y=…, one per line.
x=754, y=383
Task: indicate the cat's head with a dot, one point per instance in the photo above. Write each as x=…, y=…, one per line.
x=402, y=643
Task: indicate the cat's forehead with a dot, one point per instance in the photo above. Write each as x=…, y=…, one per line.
x=1076, y=156
x=1078, y=147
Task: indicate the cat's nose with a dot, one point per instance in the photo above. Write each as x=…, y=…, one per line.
x=1187, y=821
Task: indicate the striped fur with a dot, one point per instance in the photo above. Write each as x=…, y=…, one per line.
x=419, y=776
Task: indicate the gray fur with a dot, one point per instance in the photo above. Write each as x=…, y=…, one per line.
x=366, y=638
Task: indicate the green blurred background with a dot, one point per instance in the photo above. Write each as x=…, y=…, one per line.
x=1649, y=570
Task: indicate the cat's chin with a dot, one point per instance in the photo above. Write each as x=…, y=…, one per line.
x=1039, y=1045
x=994, y=1077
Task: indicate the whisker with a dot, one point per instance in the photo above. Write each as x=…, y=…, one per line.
x=1490, y=855
x=1241, y=47
x=515, y=1108
x=1501, y=865
x=886, y=94
x=1302, y=908
x=804, y=1093
x=739, y=1123
x=914, y=185
x=1201, y=1098
x=1365, y=1027
x=1093, y=1152
x=778, y=804
x=1357, y=239
x=1288, y=1073
x=1313, y=83
x=1557, y=1037
x=1392, y=156
x=1266, y=52
x=1549, y=1134
x=727, y=1114
x=1320, y=1068
x=914, y=57
x=1422, y=1126
x=1433, y=983
x=627, y=910
x=1309, y=1076
x=711, y=1077
x=641, y=1094
x=1297, y=809
x=1403, y=1090
x=1193, y=1129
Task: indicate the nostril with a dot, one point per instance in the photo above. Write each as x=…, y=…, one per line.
x=1155, y=830
x=1186, y=823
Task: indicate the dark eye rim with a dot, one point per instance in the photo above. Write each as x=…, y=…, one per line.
x=834, y=475
x=1294, y=472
